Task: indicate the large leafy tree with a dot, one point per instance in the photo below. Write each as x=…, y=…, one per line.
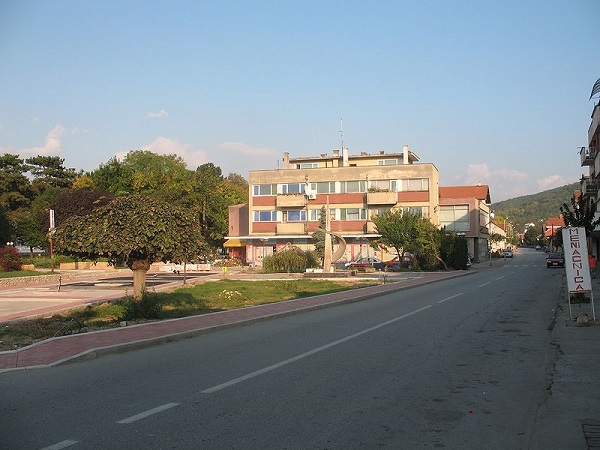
x=78, y=202
x=398, y=230
x=5, y=229
x=138, y=230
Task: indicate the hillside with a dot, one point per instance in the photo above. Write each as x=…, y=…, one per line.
x=535, y=207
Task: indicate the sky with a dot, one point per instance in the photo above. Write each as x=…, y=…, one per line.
x=493, y=92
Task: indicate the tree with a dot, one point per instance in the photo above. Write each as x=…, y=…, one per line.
x=582, y=214
x=15, y=188
x=138, y=230
x=48, y=171
x=5, y=229
x=78, y=202
x=398, y=229
x=319, y=235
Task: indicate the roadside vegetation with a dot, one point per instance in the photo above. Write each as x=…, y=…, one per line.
x=198, y=299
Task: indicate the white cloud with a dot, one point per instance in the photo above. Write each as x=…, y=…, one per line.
x=239, y=148
x=157, y=115
x=167, y=146
x=52, y=146
x=550, y=182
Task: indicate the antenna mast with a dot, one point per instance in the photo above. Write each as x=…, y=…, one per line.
x=342, y=134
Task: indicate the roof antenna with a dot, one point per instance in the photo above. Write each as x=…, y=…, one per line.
x=342, y=133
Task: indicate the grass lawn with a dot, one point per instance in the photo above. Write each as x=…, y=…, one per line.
x=24, y=273
x=185, y=301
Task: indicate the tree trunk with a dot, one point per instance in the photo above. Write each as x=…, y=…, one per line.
x=139, y=269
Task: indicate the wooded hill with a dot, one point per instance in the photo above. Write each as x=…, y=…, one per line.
x=535, y=207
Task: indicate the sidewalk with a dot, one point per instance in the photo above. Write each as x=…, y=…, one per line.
x=64, y=349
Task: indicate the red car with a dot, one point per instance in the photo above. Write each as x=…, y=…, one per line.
x=407, y=260
x=555, y=260
x=363, y=263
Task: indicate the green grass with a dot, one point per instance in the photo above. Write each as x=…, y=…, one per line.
x=23, y=273
x=185, y=301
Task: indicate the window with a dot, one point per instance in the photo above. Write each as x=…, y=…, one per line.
x=414, y=210
x=264, y=216
x=306, y=165
x=325, y=187
x=383, y=185
x=353, y=214
x=292, y=188
x=415, y=184
x=314, y=215
x=295, y=216
x=264, y=189
x=455, y=217
x=387, y=162
x=354, y=186
x=379, y=211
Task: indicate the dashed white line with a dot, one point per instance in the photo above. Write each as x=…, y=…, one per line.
x=150, y=412
x=62, y=444
x=499, y=278
x=484, y=284
x=450, y=298
x=306, y=354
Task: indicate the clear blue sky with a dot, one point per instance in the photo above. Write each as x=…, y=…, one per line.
x=489, y=91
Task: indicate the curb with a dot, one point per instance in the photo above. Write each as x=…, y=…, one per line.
x=351, y=296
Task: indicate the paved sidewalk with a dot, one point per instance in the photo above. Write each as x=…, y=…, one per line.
x=82, y=346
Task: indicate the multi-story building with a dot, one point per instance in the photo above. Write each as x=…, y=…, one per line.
x=590, y=183
x=285, y=205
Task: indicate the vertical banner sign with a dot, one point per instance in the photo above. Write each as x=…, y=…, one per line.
x=51, y=219
x=576, y=260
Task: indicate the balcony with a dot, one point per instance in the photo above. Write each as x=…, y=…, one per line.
x=291, y=228
x=589, y=187
x=291, y=201
x=382, y=198
x=587, y=155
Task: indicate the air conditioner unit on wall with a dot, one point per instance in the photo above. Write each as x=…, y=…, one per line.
x=312, y=195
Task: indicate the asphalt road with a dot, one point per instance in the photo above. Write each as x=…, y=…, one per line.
x=455, y=364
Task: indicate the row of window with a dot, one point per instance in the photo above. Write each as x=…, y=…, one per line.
x=300, y=215
x=381, y=162
x=341, y=187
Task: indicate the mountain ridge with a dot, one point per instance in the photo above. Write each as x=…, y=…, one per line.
x=535, y=208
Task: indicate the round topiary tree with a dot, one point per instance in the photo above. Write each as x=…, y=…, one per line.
x=136, y=229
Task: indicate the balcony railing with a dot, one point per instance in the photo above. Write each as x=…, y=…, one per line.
x=587, y=154
x=291, y=200
x=291, y=228
x=589, y=187
x=382, y=198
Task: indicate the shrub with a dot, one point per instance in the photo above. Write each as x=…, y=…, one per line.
x=10, y=260
x=148, y=307
x=290, y=261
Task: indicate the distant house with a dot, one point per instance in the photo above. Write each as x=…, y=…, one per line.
x=466, y=210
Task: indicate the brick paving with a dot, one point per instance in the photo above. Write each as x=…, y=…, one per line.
x=70, y=348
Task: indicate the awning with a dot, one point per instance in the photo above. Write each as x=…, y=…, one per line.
x=234, y=243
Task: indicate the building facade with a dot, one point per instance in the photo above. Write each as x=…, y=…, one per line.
x=466, y=211
x=285, y=205
x=590, y=158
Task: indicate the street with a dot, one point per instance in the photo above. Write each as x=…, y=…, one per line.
x=461, y=363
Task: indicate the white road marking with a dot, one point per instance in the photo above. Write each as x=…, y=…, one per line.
x=307, y=354
x=499, y=278
x=450, y=298
x=59, y=445
x=150, y=412
x=484, y=284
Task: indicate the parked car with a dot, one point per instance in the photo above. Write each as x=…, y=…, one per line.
x=407, y=260
x=555, y=260
x=365, y=262
x=507, y=253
